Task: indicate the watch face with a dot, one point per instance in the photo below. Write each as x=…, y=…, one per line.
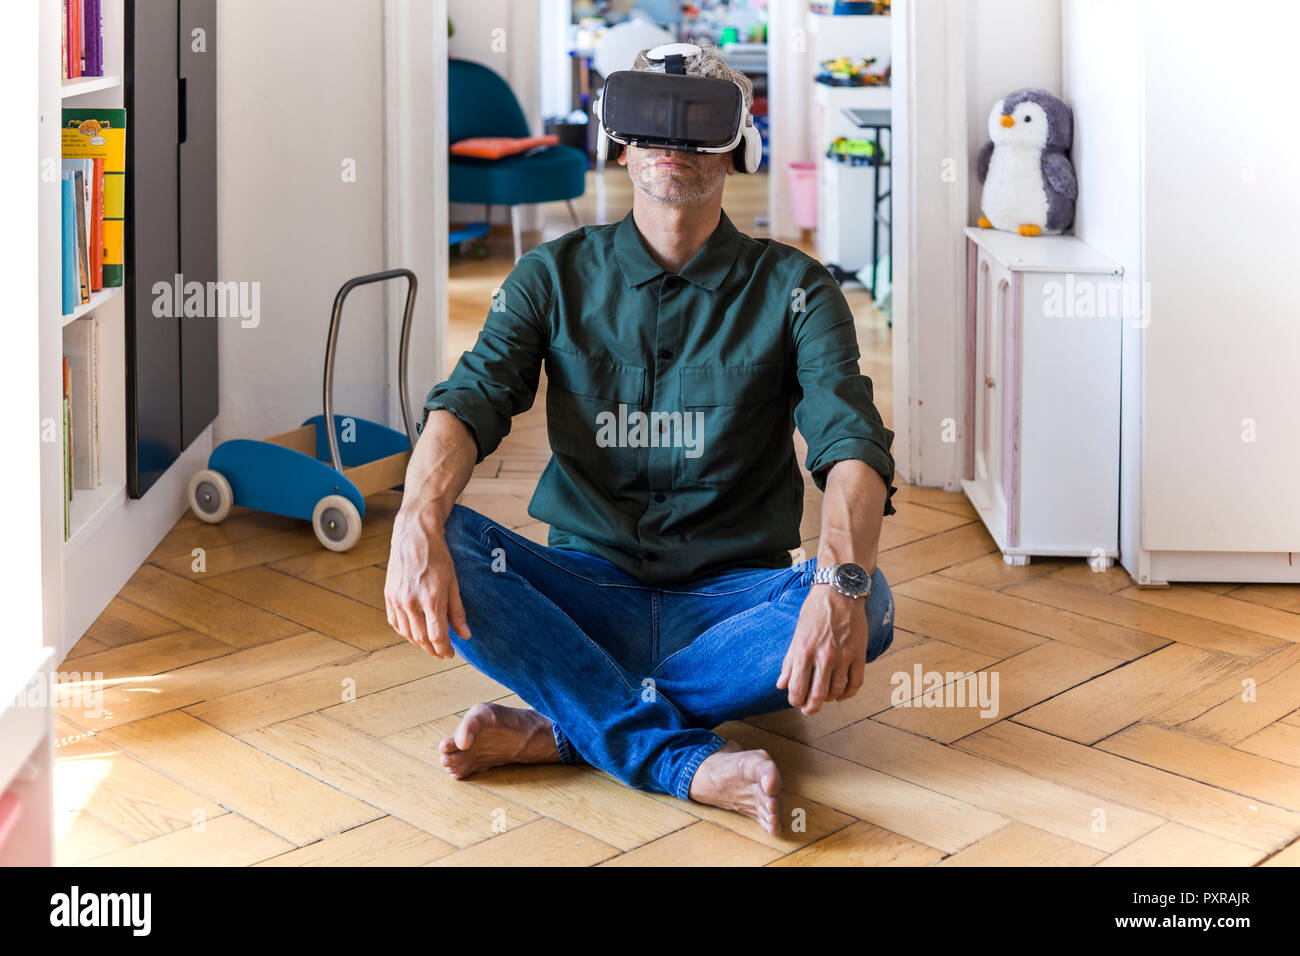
x=851, y=578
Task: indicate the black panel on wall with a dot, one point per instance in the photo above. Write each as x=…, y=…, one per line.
x=171, y=229
x=198, y=204
x=153, y=413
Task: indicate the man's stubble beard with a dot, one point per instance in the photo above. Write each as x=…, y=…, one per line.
x=705, y=179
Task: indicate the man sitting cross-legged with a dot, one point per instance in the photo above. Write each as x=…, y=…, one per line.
x=680, y=356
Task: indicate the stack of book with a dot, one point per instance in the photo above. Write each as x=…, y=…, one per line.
x=81, y=344
x=83, y=39
x=81, y=452
x=94, y=202
x=93, y=208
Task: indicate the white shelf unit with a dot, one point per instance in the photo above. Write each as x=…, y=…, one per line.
x=1211, y=410
x=89, y=84
x=69, y=592
x=844, y=192
x=1043, y=330
x=97, y=299
x=110, y=534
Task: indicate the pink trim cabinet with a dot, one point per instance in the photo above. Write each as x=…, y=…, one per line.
x=1042, y=417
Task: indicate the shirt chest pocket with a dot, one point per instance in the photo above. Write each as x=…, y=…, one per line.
x=732, y=415
x=583, y=413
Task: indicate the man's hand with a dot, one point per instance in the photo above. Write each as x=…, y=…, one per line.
x=828, y=654
x=827, y=659
x=420, y=593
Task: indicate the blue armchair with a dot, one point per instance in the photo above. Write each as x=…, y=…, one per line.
x=481, y=103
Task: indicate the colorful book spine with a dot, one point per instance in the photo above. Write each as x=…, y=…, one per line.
x=70, y=291
x=74, y=39
x=82, y=203
x=91, y=133
x=93, y=37
x=97, y=225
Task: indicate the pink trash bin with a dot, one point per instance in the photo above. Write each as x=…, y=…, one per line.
x=803, y=193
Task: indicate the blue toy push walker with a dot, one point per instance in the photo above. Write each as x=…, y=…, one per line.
x=302, y=473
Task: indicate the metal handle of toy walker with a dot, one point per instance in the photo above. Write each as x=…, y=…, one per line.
x=331, y=346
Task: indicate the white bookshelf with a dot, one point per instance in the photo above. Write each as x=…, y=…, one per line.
x=109, y=534
x=97, y=301
x=89, y=84
x=68, y=593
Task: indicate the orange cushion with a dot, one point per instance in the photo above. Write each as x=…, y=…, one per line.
x=496, y=147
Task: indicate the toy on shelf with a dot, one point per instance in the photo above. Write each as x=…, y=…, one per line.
x=849, y=8
x=1029, y=181
x=852, y=150
x=303, y=473
x=844, y=71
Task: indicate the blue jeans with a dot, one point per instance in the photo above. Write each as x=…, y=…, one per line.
x=633, y=678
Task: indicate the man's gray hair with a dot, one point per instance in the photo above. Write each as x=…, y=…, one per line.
x=708, y=62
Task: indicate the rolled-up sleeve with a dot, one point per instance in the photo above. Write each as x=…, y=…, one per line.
x=836, y=413
x=498, y=378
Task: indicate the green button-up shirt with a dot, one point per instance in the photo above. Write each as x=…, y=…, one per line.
x=672, y=398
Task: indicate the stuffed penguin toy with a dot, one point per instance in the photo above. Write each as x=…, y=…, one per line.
x=1029, y=182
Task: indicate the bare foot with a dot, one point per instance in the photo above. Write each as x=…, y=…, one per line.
x=746, y=781
x=490, y=735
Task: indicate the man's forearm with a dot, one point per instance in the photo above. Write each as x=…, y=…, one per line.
x=440, y=468
x=853, y=508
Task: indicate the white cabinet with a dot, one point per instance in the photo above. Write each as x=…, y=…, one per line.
x=845, y=201
x=1044, y=322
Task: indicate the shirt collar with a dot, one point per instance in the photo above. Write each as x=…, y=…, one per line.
x=707, y=268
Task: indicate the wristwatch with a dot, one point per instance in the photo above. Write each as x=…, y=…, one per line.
x=849, y=579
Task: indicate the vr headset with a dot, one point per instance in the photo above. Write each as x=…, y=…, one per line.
x=672, y=110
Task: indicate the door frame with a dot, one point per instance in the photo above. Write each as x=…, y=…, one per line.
x=930, y=170
x=931, y=173
x=417, y=214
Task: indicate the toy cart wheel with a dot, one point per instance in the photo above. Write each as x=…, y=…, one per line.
x=210, y=496
x=337, y=522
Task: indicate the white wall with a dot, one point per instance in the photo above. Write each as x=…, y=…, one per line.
x=301, y=89
x=1010, y=44
x=555, y=70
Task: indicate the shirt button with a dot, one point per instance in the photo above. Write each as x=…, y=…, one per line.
x=660, y=496
x=665, y=354
x=651, y=556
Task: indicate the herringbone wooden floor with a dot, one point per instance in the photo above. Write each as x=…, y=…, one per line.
x=261, y=711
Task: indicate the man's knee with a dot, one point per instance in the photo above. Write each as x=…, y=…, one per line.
x=474, y=554
x=463, y=532
x=880, y=616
